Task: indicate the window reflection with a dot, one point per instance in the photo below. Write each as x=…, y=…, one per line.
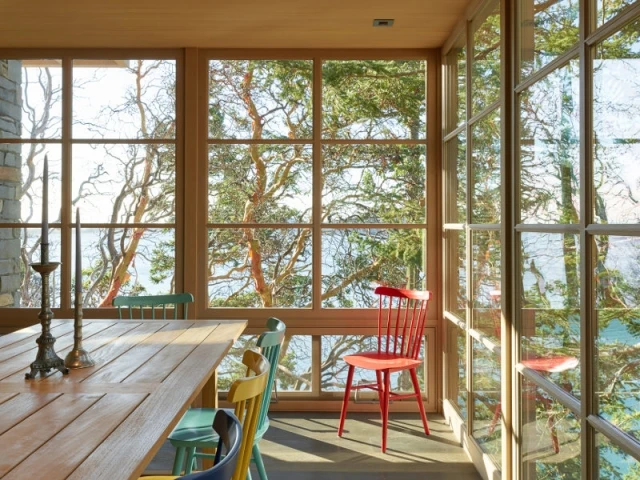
x=617, y=281
x=550, y=314
x=550, y=148
x=547, y=30
x=550, y=437
x=616, y=101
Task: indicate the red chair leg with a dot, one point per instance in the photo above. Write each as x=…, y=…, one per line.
x=551, y=423
x=345, y=402
x=416, y=387
x=385, y=414
x=495, y=419
x=380, y=390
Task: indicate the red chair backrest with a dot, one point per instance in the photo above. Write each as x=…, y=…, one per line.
x=401, y=320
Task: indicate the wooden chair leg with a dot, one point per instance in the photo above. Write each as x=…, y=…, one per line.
x=178, y=461
x=416, y=387
x=345, y=402
x=385, y=415
x=380, y=390
x=191, y=455
x=495, y=419
x=257, y=457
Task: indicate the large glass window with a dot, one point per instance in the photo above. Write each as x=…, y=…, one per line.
x=125, y=189
x=547, y=30
x=616, y=136
x=262, y=182
x=117, y=166
x=550, y=148
x=259, y=192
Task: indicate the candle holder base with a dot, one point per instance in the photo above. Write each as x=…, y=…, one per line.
x=78, y=359
x=46, y=358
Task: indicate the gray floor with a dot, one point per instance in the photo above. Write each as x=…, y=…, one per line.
x=304, y=446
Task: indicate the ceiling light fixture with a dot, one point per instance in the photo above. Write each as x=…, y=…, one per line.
x=383, y=22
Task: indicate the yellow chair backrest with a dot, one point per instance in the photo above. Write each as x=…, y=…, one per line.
x=247, y=393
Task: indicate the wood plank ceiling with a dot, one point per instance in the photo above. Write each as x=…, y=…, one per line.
x=227, y=23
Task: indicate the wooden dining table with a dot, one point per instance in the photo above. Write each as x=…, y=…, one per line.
x=109, y=420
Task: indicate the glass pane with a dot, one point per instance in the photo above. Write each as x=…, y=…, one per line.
x=616, y=101
x=617, y=281
x=124, y=183
x=614, y=463
x=551, y=307
x=373, y=183
x=334, y=369
x=607, y=9
x=129, y=261
x=260, y=98
x=550, y=437
x=294, y=369
x=485, y=67
x=259, y=267
x=550, y=148
x=485, y=168
x=30, y=99
x=547, y=30
x=456, y=61
x=20, y=285
x=22, y=168
x=456, y=178
x=487, y=274
x=259, y=183
x=124, y=99
x=457, y=254
x=356, y=99
x=356, y=261
x=487, y=408
x=458, y=369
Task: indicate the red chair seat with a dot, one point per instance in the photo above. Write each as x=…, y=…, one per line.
x=381, y=361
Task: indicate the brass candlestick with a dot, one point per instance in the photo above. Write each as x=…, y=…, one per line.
x=78, y=357
x=46, y=358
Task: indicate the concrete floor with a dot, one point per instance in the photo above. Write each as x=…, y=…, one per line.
x=304, y=446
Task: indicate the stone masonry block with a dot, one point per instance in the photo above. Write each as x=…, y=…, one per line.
x=8, y=128
x=10, y=283
x=6, y=300
x=9, y=249
x=11, y=209
x=9, y=266
x=11, y=159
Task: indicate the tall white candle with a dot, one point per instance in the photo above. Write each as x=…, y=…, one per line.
x=78, y=258
x=44, y=251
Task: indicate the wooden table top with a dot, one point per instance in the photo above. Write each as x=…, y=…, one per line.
x=105, y=421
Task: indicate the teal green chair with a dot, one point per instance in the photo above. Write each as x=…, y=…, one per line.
x=153, y=302
x=194, y=430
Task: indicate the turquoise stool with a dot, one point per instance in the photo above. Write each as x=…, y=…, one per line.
x=194, y=429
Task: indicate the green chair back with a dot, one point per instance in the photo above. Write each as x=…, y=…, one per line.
x=154, y=303
x=269, y=343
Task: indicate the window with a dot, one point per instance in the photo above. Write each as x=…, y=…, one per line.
x=362, y=211
x=116, y=163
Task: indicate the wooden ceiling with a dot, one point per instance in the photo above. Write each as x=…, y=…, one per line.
x=227, y=23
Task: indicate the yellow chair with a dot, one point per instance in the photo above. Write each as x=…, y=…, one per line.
x=246, y=393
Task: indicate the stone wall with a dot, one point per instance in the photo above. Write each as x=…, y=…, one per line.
x=10, y=181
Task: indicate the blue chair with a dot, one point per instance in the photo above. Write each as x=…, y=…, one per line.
x=193, y=431
x=229, y=430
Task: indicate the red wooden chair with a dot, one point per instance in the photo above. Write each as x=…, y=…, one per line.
x=400, y=331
